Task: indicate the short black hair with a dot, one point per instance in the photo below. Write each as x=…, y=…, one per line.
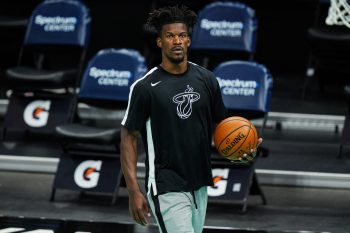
x=170, y=14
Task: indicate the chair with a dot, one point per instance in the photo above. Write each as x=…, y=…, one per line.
x=12, y=28
x=329, y=43
x=224, y=30
x=54, y=46
x=246, y=90
x=49, y=66
x=95, y=145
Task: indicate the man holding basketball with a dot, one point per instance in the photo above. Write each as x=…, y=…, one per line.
x=174, y=107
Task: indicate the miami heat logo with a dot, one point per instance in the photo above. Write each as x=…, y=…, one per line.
x=36, y=113
x=87, y=173
x=184, y=102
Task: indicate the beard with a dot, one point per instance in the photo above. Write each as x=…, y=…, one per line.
x=176, y=59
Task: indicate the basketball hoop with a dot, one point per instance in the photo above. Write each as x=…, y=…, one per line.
x=339, y=13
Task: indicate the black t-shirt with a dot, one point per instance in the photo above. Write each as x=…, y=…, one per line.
x=175, y=115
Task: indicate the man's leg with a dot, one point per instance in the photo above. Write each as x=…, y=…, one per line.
x=199, y=213
x=180, y=212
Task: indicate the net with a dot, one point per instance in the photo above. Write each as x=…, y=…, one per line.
x=339, y=13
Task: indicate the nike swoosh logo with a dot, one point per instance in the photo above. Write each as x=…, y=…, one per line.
x=154, y=84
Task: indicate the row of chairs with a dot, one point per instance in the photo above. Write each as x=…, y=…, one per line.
x=48, y=87
x=224, y=41
x=327, y=43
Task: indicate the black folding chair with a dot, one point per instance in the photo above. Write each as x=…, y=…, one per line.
x=90, y=160
x=246, y=89
x=225, y=30
x=48, y=70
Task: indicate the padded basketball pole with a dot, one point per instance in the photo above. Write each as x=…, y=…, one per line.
x=345, y=137
x=53, y=193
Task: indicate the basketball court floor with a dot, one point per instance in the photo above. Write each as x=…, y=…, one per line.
x=306, y=185
x=25, y=204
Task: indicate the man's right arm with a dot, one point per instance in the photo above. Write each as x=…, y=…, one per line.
x=129, y=156
x=137, y=203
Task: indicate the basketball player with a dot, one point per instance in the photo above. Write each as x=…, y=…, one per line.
x=174, y=107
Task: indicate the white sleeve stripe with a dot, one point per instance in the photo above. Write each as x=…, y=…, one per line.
x=151, y=183
x=130, y=94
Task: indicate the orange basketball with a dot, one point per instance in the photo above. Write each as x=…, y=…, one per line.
x=235, y=136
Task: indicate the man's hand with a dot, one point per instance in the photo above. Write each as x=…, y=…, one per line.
x=138, y=208
x=248, y=157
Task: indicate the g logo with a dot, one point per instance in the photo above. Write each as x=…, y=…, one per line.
x=220, y=182
x=36, y=113
x=86, y=175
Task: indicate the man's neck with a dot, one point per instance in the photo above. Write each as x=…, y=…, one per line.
x=175, y=68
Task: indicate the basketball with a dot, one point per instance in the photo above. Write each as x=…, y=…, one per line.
x=235, y=136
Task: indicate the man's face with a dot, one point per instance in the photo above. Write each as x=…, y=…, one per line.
x=174, y=41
